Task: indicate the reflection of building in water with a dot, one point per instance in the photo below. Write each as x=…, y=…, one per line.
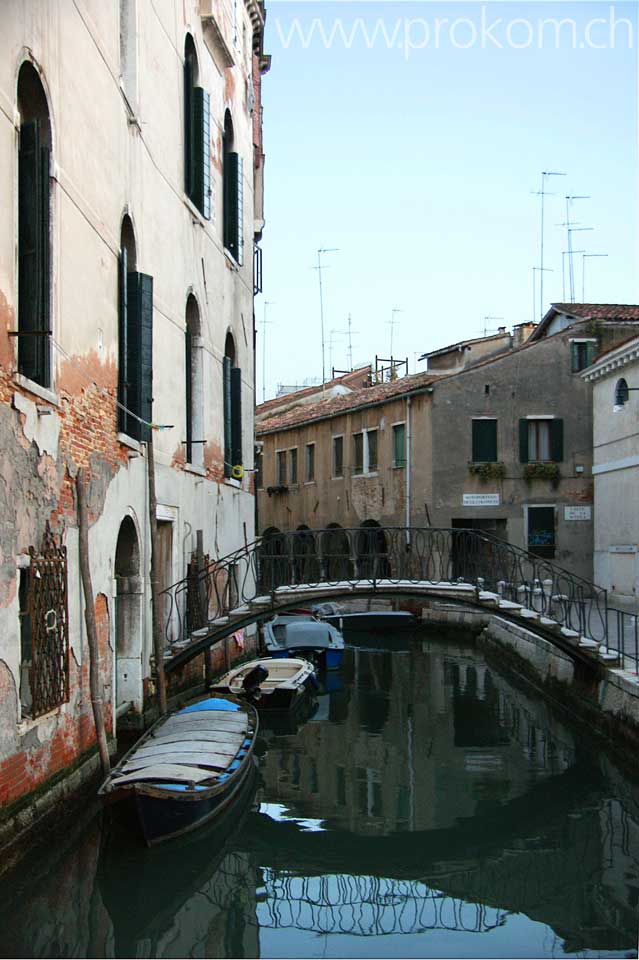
x=408, y=730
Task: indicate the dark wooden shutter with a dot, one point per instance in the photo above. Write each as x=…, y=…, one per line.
x=189, y=177
x=33, y=255
x=139, y=353
x=226, y=385
x=484, y=441
x=557, y=440
x=122, y=341
x=236, y=416
x=201, y=141
x=188, y=393
x=523, y=441
x=591, y=352
x=234, y=206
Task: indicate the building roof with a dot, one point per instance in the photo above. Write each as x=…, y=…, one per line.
x=616, y=356
x=335, y=406
x=351, y=380
x=464, y=343
x=610, y=312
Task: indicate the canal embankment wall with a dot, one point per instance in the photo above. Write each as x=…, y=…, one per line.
x=605, y=698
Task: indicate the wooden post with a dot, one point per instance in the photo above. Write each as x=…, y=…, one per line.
x=156, y=607
x=92, y=633
x=202, y=602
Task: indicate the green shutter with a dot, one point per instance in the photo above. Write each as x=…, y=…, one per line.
x=236, y=416
x=189, y=179
x=188, y=401
x=591, y=352
x=523, y=441
x=201, y=146
x=399, y=445
x=234, y=206
x=122, y=341
x=484, y=441
x=226, y=399
x=139, y=353
x=33, y=255
x=557, y=440
x=574, y=357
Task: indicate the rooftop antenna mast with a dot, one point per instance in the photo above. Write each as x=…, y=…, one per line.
x=391, y=324
x=534, y=271
x=319, y=268
x=267, y=303
x=564, y=254
x=331, y=338
x=570, y=229
x=350, y=341
x=544, y=193
x=489, y=317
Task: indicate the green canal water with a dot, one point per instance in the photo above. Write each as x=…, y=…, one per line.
x=428, y=805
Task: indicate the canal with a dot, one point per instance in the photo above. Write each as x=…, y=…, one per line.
x=427, y=805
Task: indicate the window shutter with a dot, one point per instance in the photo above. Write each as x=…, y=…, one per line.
x=188, y=400
x=574, y=357
x=139, y=353
x=33, y=254
x=591, y=352
x=122, y=341
x=523, y=441
x=484, y=441
x=189, y=181
x=201, y=147
x=234, y=206
x=236, y=416
x=557, y=440
x=226, y=387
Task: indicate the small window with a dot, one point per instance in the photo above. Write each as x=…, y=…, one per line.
x=358, y=453
x=338, y=456
x=232, y=406
x=197, y=135
x=232, y=194
x=399, y=445
x=281, y=467
x=541, y=440
x=293, y=464
x=582, y=354
x=484, y=441
x=310, y=462
x=622, y=393
x=371, y=451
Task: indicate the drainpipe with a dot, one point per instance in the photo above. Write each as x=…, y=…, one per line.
x=408, y=470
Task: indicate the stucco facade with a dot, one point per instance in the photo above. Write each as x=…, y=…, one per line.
x=109, y=88
x=615, y=469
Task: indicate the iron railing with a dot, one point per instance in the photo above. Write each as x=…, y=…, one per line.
x=385, y=557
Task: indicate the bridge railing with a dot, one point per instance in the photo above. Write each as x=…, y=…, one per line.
x=384, y=557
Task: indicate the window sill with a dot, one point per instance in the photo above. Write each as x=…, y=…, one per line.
x=399, y=466
x=231, y=482
x=195, y=212
x=373, y=473
x=339, y=477
x=197, y=470
x=231, y=259
x=310, y=483
x=129, y=442
x=36, y=389
x=28, y=723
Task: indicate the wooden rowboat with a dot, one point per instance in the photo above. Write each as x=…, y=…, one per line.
x=188, y=766
x=282, y=683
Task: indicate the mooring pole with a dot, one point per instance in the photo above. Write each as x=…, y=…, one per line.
x=89, y=619
x=156, y=608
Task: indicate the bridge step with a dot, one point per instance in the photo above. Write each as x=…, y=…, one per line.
x=488, y=599
x=201, y=632
x=510, y=606
x=569, y=634
x=237, y=613
x=609, y=656
x=527, y=614
x=550, y=624
x=260, y=602
x=587, y=644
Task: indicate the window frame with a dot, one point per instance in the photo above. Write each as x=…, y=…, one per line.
x=358, y=453
x=334, y=475
x=475, y=440
x=281, y=467
x=397, y=464
x=293, y=466
x=309, y=462
x=543, y=551
x=367, y=451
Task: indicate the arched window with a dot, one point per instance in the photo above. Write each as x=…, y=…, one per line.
x=193, y=370
x=197, y=134
x=34, y=244
x=232, y=194
x=135, y=339
x=622, y=394
x=232, y=386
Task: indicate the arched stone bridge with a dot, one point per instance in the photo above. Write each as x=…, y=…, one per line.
x=284, y=570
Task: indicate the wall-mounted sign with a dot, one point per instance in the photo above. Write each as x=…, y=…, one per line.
x=480, y=500
x=622, y=548
x=577, y=513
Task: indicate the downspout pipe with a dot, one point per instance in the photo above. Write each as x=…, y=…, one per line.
x=408, y=470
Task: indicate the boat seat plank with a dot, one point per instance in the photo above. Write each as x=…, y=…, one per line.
x=161, y=744
x=235, y=728
x=166, y=771
x=214, y=721
x=217, y=761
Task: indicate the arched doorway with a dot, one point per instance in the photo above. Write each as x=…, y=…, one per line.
x=372, y=551
x=128, y=632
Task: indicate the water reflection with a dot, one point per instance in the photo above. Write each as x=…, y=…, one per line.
x=425, y=795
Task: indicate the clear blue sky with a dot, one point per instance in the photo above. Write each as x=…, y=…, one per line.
x=415, y=150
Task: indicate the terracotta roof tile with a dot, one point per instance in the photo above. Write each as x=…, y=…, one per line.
x=599, y=311
x=335, y=406
x=356, y=376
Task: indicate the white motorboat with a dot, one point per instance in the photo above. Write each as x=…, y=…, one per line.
x=270, y=683
x=302, y=633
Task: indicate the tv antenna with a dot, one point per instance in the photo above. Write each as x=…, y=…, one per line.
x=544, y=193
x=350, y=333
x=571, y=228
x=584, y=257
x=391, y=324
x=489, y=316
x=264, y=321
x=319, y=269
x=534, y=285
x=564, y=254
